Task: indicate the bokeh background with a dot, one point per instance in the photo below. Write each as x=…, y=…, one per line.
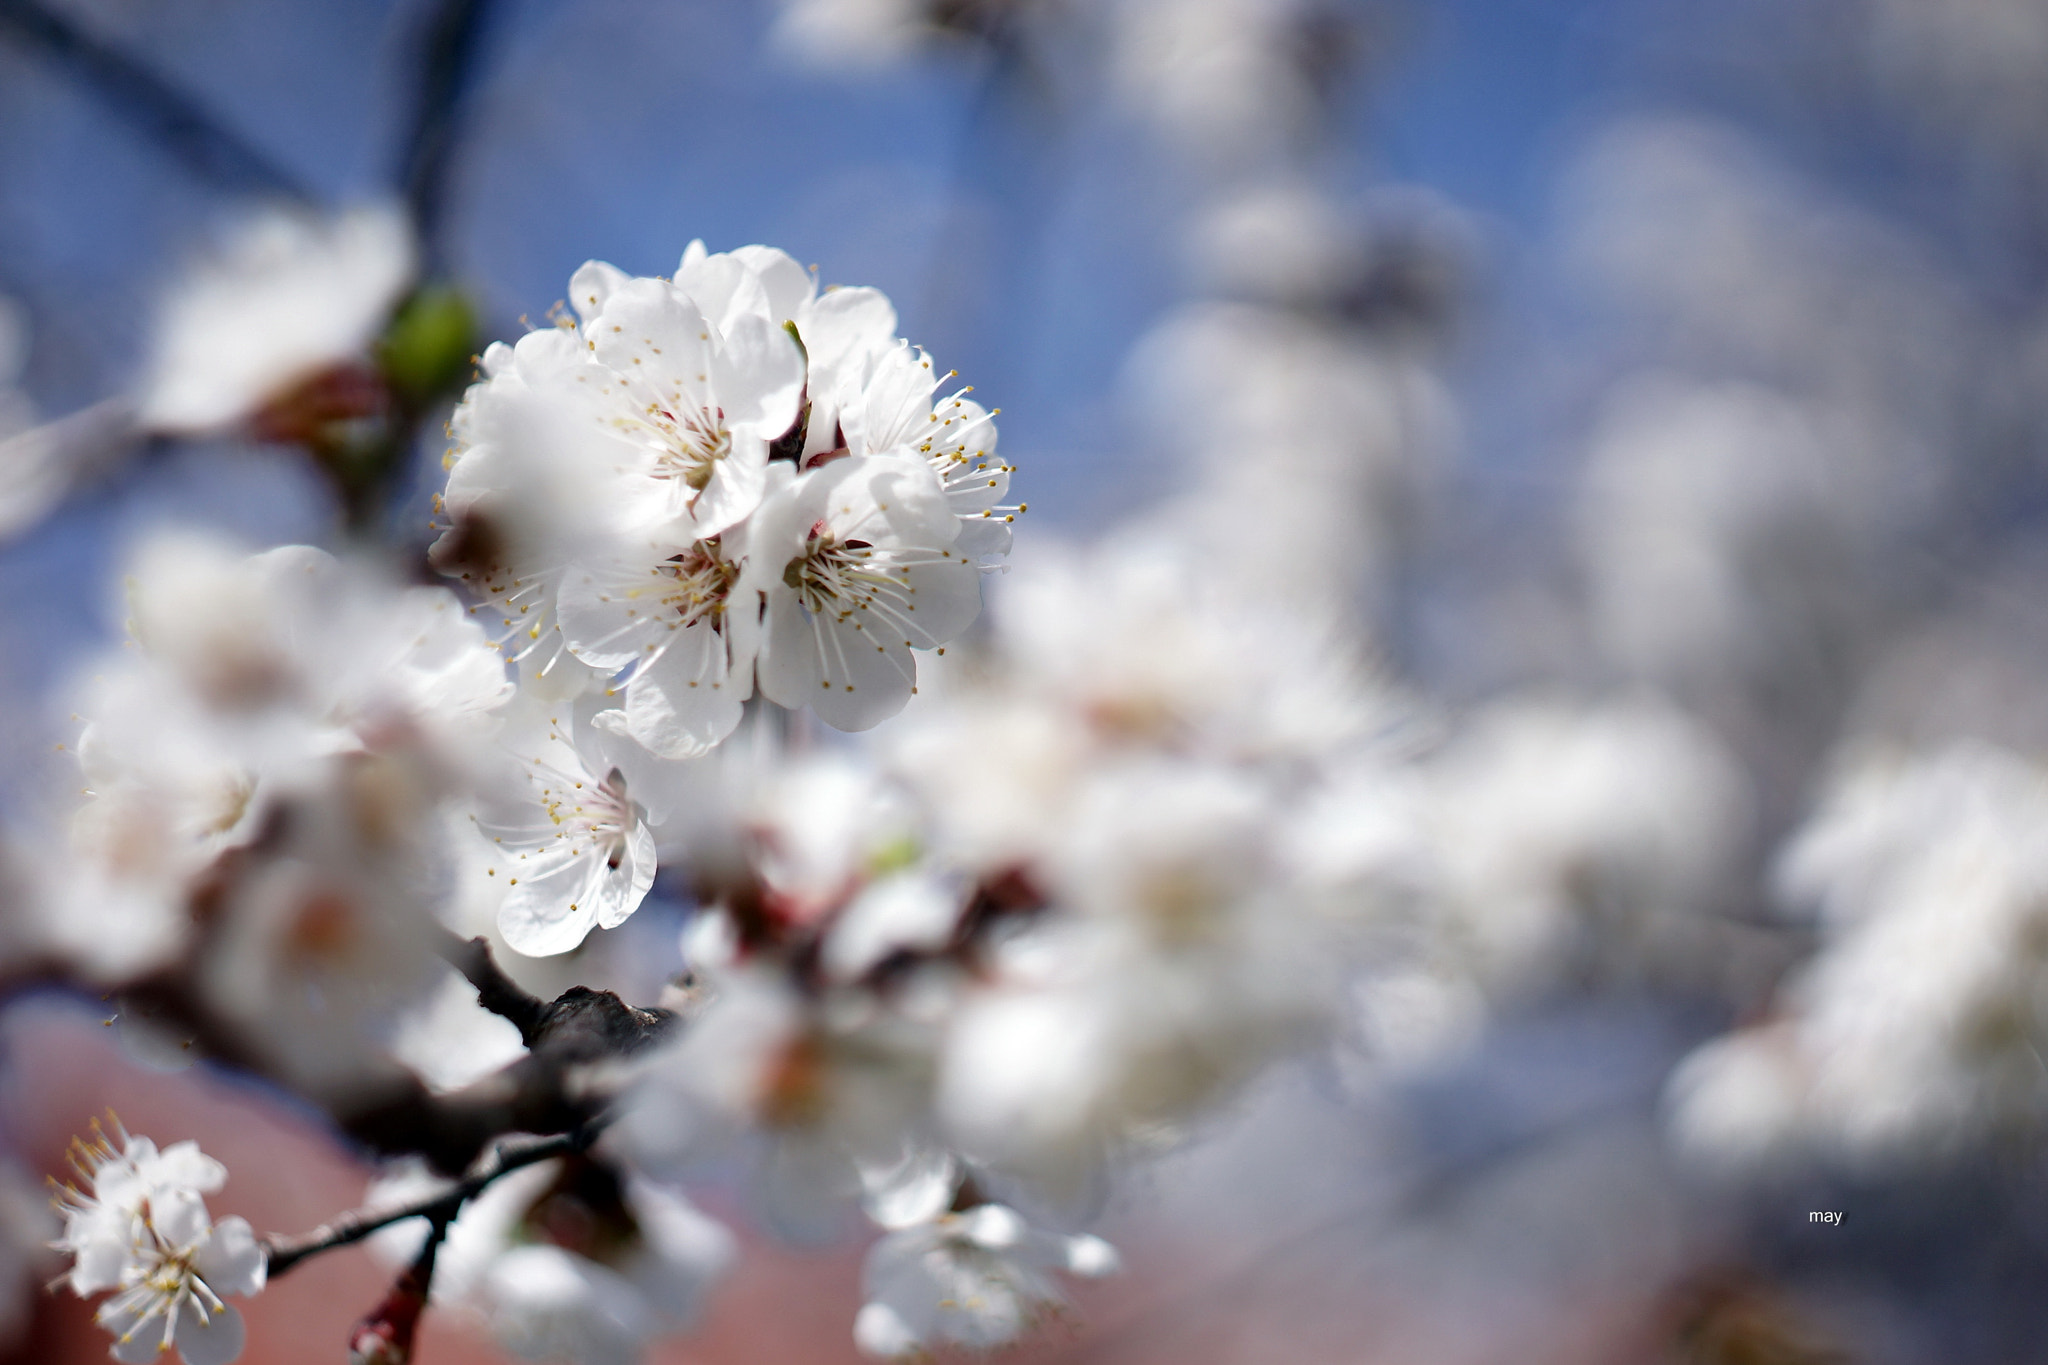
x=1695, y=352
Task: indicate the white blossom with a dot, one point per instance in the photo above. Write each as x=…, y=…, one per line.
x=568, y=841
x=1918, y=1026
x=269, y=770
x=140, y=1228
x=979, y=1279
x=288, y=296
x=1579, y=836
x=855, y=565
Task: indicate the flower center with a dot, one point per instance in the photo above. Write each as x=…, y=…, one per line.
x=833, y=575
x=703, y=580
x=692, y=446
x=593, y=818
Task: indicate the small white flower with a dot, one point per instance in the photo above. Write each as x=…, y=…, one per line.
x=856, y=566
x=141, y=1228
x=979, y=1279
x=570, y=844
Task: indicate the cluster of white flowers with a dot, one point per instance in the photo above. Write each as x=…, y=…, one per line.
x=139, y=1227
x=1081, y=891
x=712, y=487
x=267, y=772
x=1919, y=1025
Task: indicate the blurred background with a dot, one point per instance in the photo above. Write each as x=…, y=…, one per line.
x=1660, y=388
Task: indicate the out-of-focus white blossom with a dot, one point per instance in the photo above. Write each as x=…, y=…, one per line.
x=838, y=34
x=289, y=296
x=268, y=773
x=567, y=1261
x=825, y=1091
x=1565, y=837
x=1226, y=79
x=1310, y=443
x=978, y=1279
x=140, y=1228
x=1919, y=1025
x=1724, y=525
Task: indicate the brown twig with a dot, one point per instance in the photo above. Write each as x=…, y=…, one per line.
x=439, y=1208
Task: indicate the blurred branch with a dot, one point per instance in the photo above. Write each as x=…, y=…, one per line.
x=439, y=1208
x=495, y=991
x=448, y=53
x=172, y=118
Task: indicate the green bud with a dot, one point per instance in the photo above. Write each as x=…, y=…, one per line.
x=427, y=349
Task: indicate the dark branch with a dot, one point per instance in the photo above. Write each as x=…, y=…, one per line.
x=174, y=119
x=448, y=52
x=439, y=1208
x=495, y=991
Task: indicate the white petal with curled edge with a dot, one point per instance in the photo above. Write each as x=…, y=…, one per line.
x=736, y=483
x=216, y=1340
x=232, y=1261
x=591, y=285
x=625, y=886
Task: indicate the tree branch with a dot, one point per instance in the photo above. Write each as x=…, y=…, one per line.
x=495, y=991
x=441, y=1207
x=447, y=60
x=149, y=102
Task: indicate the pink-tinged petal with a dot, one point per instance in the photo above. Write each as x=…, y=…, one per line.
x=232, y=1261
